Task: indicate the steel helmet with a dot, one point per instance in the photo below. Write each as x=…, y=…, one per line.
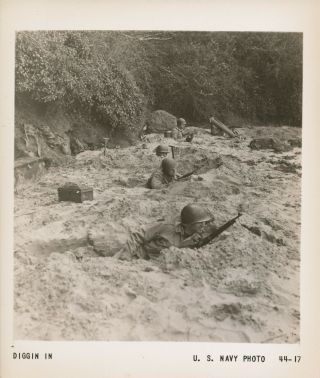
x=167, y=164
x=162, y=148
x=181, y=122
x=194, y=214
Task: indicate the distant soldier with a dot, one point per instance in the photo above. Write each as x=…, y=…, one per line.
x=162, y=151
x=178, y=132
x=215, y=130
x=75, y=145
x=164, y=175
x=195, y=222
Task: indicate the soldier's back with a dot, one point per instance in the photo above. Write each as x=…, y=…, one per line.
x=157, y=180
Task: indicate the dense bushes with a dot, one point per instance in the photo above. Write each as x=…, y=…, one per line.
x=253, y=76
x=115, y=76
x=65, y=67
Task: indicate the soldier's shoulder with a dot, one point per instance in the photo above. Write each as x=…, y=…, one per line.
x=160, y=227
x=157, y=173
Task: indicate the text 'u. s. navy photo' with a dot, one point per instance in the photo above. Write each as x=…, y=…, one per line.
x=157, y=186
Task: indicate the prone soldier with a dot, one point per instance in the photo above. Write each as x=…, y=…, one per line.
x=148, y=241
x=163, y=176
x=194, y=229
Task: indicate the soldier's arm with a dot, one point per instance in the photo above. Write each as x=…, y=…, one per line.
x=196, y=237
x=210, y=228
x=156, y=182
x=185, y=132
x=190, y=241
x=180, y=134
x=155, y=240
x=174, y=134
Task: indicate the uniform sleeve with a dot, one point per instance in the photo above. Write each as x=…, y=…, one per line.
x=156, y=239
x=184, y=133
x=191, y=241
x=135, y=243
x=175, y=133
x=155, y=181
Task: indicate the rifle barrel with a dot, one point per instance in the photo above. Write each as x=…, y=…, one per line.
x=187, y=175
x=217, y=232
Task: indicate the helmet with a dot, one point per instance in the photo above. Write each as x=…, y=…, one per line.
x=167, y=164
x=181, y=122
x=194, y=214
x=162, y=148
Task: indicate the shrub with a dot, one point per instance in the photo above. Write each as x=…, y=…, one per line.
x=116, y=76
x=64, y=67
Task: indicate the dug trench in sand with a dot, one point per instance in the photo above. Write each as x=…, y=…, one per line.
x=242, y=287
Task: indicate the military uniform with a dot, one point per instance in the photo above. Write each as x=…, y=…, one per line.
x=177, y=133
x=142, y=242
x=126, y=239
x=160, y=236
x=165, y=235
x=159, y=180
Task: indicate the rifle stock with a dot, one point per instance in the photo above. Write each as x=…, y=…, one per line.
x=206, y=240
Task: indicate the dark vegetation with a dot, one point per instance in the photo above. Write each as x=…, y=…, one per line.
x=116, y=78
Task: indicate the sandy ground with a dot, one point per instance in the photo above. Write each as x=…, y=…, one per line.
x=244, y=287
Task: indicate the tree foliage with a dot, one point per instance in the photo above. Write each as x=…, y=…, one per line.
x=116, y=76
x=66, y=67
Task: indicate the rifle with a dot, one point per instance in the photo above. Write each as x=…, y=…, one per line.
x=187, y=174
x=206, y=240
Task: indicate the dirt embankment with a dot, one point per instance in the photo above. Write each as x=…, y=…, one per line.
x=47, y=131
x=244, y=287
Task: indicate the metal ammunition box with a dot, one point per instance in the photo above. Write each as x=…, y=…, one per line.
x=74, y=194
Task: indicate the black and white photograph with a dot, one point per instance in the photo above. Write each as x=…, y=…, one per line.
x=157, y=185
x=159, y=188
